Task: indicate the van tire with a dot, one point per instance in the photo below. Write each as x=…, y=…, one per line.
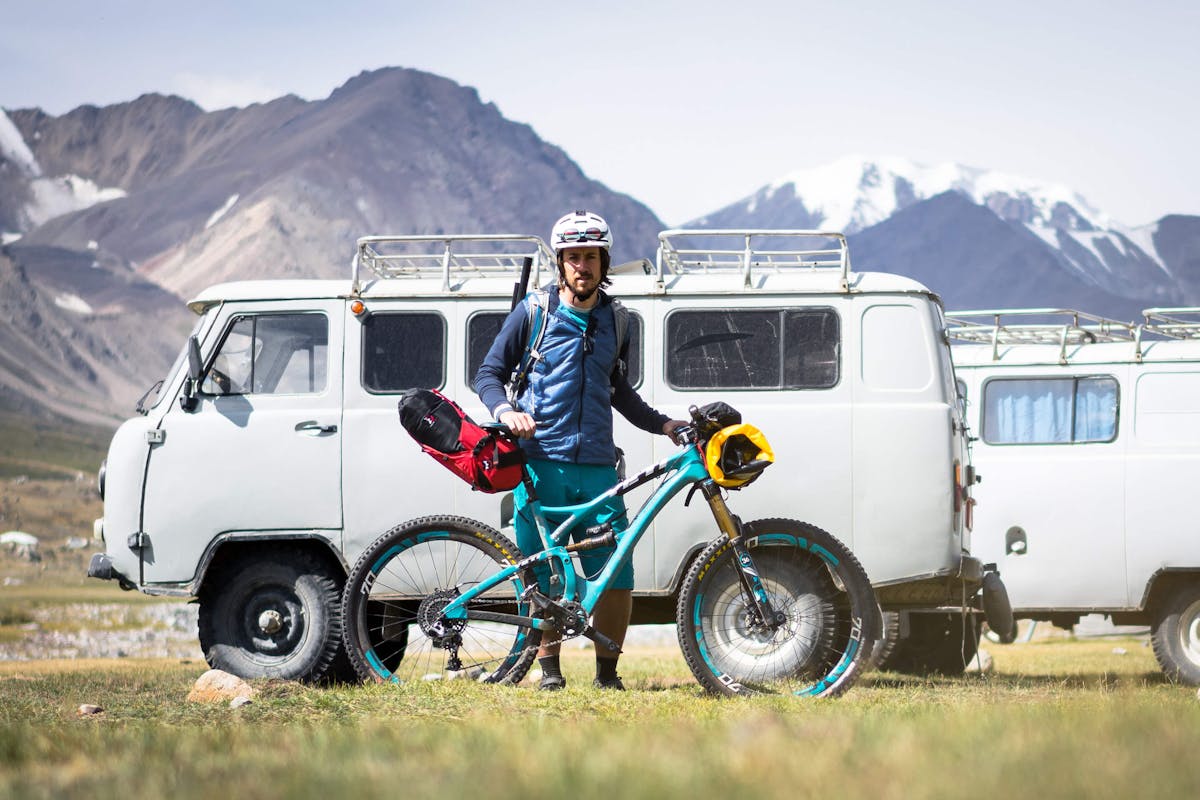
x=1176, y=634
x=274, y=615
x=884, y=651
x=936, y=643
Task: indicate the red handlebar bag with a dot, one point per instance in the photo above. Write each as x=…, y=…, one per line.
x=490, y=463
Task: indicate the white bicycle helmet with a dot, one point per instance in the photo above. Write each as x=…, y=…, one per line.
x=580, y=229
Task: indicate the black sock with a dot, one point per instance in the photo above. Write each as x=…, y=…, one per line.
x=606, y=669
x=550, y=666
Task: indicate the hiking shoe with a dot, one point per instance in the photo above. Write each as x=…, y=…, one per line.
x=611, y=683
x=552, y=683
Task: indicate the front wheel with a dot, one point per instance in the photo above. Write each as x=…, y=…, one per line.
x=271, y=613
x=831, y=615
x=393, y=598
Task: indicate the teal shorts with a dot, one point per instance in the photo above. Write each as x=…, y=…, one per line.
x=561, y=483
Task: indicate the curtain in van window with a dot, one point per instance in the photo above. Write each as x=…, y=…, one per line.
x=1050, y=411
x=1095, y=410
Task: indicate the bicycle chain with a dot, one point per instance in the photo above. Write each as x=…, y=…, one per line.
x=524, y=651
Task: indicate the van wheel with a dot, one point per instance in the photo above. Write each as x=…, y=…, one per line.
x=885, y=649
x=276, y=615
x=936, y=643
x=1176, y=634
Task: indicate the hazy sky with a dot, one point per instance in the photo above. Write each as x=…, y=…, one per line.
x=689, y=106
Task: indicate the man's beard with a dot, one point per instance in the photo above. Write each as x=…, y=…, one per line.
x=583, y=296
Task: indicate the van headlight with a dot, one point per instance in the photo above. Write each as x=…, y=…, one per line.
x=100, y=477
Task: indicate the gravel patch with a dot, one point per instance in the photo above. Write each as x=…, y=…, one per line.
x=113, y=630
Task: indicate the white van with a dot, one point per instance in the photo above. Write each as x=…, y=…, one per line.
x=1089, y=453
x=273, y=454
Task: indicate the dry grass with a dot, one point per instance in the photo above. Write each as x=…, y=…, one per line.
x=1058, y=718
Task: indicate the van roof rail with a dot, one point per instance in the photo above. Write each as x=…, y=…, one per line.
x=679, y=252
x=1173, y=323
x=448, y=256
x=1058, y=326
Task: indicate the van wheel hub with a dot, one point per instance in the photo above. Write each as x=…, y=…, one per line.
x=270, y=622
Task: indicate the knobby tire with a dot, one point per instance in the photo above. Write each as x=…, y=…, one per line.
x=832, y=614
x=388, y=588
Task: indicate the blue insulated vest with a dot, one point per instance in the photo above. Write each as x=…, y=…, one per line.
x=568, y=390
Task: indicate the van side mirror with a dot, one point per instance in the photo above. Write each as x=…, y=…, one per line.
x=187, y=400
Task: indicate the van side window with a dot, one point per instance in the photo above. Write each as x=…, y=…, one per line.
x=484, y=327
x=403, y=351
x=271, y=354
x=1050, y=410
x=753, y=349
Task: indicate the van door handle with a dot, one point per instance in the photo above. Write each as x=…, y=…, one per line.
x=310, y=427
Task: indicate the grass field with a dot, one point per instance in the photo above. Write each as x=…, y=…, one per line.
x=1058, y=718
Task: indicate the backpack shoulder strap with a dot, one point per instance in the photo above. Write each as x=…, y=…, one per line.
x=621, y=322
x=537, y=307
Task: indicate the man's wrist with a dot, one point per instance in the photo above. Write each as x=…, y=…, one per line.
x=503, y=408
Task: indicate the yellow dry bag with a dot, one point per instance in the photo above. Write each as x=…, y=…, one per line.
x=737, y=454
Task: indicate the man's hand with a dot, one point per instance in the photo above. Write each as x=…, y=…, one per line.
x=670, y=426
x=519, y=423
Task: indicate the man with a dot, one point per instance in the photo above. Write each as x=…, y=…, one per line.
x=563, y=414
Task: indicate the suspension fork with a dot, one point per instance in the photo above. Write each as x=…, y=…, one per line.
x=731, y=526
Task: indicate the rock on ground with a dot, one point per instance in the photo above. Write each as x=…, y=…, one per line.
x=217, y=686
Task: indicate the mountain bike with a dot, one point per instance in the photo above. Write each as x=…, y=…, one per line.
x=769, y=606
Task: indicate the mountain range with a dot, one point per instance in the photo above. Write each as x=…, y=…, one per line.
x=112, y=216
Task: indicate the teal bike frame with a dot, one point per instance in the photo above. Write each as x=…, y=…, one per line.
x=682, y=469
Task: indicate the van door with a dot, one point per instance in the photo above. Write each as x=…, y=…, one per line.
x=904, y=450
x=1052, y=498
x=1163, y=472
x=260, y=451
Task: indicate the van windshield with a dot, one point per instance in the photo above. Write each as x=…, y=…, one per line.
x=154, y=394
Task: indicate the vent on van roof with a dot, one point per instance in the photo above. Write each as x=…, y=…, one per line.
x=448, y=257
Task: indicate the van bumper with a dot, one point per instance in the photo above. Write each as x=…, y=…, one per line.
x=949, y=588
x=101, y=567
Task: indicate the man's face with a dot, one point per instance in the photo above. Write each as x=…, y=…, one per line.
x=581, y=268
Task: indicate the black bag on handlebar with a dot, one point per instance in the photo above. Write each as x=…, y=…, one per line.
x=490, y=463
x=713, y=417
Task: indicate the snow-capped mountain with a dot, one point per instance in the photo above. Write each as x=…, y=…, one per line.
x=856, y=193
x=42, y=197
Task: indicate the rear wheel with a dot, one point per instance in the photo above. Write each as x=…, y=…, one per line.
x=1176, y=634
x=942, y=643
x=399, y=585
x=809, y=576
x=889, y=639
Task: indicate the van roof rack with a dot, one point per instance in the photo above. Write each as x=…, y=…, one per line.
x=1174, y=323
x=450, y=257
x=1063, y=327
x=751, y=252
x=1059, y=326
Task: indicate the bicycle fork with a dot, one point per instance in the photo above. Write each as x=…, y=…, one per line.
x=729, y=524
